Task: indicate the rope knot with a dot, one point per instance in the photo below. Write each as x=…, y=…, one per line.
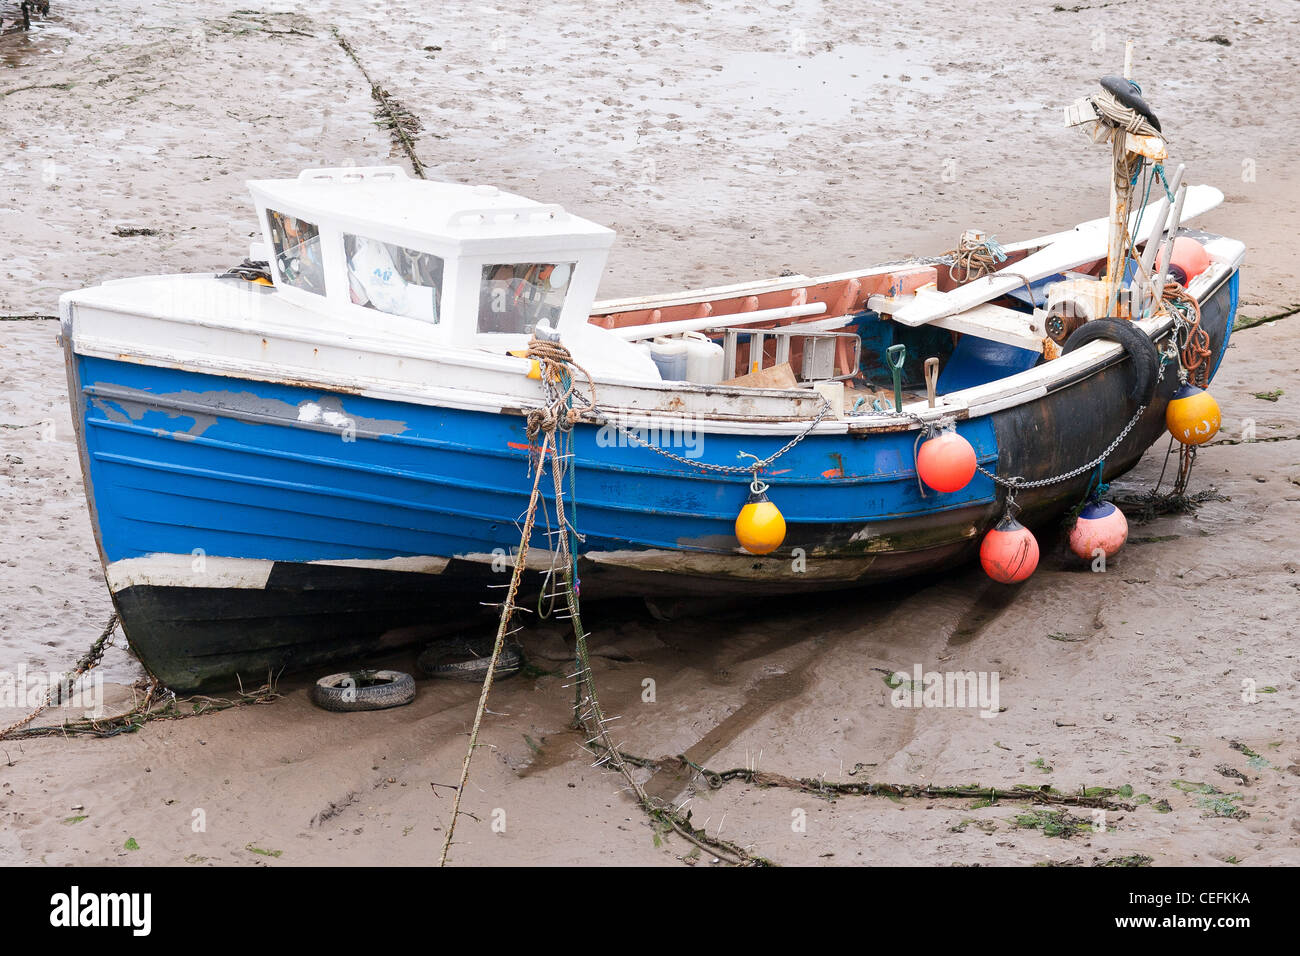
x=556, y=366
x=541, y=421
x=549, y=353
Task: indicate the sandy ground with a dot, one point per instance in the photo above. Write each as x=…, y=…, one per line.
x=722, y=141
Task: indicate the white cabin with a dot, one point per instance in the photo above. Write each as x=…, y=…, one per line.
x=480, y=266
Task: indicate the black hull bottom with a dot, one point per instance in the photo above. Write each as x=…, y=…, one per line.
x=197, y=638
x=310, y=616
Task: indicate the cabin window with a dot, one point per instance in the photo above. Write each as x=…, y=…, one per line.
x=393, y=279
x=297, y=252
x=515, y=296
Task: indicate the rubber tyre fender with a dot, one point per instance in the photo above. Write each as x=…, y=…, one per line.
x=459, y=659
x=335, y=693
x=1140, y=349
x=1126, y=92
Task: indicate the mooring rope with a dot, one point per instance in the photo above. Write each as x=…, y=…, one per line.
x=158, y=702
x=397, y=115
x=553, y=423
x=507, y=614
x=88, y=662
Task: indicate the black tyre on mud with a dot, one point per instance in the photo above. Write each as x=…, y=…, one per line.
x=460, y=659
x=363, y=690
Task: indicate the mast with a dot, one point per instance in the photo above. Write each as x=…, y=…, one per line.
x=1120, y=115
x=1121, y=198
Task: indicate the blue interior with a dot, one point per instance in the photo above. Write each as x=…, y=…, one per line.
x=977, y=361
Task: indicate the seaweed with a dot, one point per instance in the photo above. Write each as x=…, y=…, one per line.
x=1053, y=823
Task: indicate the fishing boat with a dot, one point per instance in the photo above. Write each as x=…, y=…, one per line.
x=291, y=462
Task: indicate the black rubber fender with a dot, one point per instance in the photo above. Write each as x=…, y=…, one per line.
x=363, y=690
x=1145, y=358
x=461, y=659
x=1126, y=91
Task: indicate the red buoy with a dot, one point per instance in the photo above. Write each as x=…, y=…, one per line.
x=1101, y=526
x=946, y=462
x=1189, y=259
x=1009, y=553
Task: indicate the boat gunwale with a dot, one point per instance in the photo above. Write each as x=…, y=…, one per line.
x=969, y=403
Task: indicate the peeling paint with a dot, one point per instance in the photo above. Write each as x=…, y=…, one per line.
x=123, y=411
x=124, y=404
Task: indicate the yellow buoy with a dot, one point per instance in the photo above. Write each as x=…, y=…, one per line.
x=760, y=526
x=534, y=366
x=1192, y=416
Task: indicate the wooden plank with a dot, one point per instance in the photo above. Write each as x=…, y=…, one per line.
x=778, y=376
x=998, y=325
x=985, y=321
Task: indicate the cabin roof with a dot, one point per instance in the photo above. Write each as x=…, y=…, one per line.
x=385, y=196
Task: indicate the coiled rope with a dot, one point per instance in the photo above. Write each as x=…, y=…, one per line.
x=974, y=257
x=1114, y=113
x=1193, y=342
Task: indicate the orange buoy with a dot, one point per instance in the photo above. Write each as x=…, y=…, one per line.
x=1189, y=259
x=760, y=526
x=946, y=462
x=1009, y=553
x=1101, y=525
x=1192, y=415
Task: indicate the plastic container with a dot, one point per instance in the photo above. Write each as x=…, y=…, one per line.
x=833, y=392
x=669, y=356
x=704, y=359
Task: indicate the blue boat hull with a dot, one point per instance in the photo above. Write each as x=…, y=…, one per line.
x=251, y=525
